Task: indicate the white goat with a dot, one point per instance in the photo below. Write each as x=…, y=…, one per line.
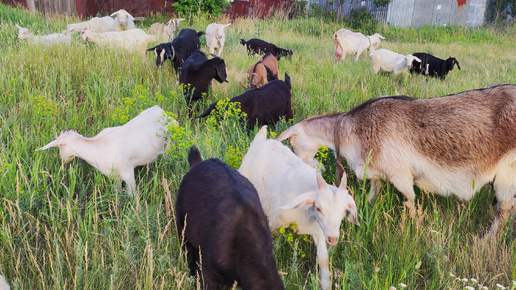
x=293, y=192
x=3, y=284
x=95, y=24
x=388, y=61
x=24, y=33
x=215, y=37
x=123, y=21
x=165, y=31
x=349, y=42
x=116, y=151
x=130, y=40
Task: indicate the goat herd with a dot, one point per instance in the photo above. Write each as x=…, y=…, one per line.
x=452, y=144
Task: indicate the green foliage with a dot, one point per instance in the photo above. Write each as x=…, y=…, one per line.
x=361, y=19
x=381, y=3
x=140, y=100
x=225, y=110
x=211, y=7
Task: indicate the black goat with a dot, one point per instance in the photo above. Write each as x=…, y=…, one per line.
x=197, y=73
x=259, y=46
x=265, y=105
x=219, y=213
x=179, y=50
x=433, y=66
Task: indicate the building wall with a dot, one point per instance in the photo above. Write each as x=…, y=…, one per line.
x=417, y=13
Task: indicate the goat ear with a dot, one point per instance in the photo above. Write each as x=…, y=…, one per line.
x=49, y=145
x=287, y=133
x=417, y=59
x=352, y=217
x=114, y=14
x=307, y=198
x=457, y=63
x=18, y=26
x=321, y=183
x=344, y=182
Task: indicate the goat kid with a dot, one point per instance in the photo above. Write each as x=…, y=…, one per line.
x=116, y=151
x=265, y=105
x=448, y=145
x=293, y=192
x=220, y=218
x=259, y=46
x=179, y=50
x=263, y=71
x=215, y=37
x=197, y=73
x=165, y=31
x=433, y=66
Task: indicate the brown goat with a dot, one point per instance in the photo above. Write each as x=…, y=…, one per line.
x=453, y=144
x=262, y=72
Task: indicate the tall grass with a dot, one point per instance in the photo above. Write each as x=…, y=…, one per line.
x=65, y=226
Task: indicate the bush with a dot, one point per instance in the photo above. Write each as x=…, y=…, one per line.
x=212, y=7
x=362, y=20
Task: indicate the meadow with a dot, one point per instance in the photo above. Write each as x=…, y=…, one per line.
x=67, y=226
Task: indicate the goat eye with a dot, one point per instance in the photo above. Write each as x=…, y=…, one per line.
x=319, y=210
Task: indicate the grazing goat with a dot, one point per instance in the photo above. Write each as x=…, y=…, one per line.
x=388, y=61
x=354, y=43
x=95, y=24
x=3, y=283
x=131, y=40
x=215, y=37
x=197, y=73
x=123, y=21
x=165, y=31
x=265, y=105
x=223, y=227
x=116, y=151
x=448, y=145
x=179, y=50
x=433, y=66
x=263, y=71
x=259, y=46
x=24, y=33
x=293, y=192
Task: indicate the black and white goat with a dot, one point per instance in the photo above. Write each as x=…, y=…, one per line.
x=179, y=50
x=433, y=66
x=265, y=105
x=197, y=73
x=259, y=46
x=220, y=218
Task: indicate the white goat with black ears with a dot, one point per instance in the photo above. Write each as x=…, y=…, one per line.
x=116, y=151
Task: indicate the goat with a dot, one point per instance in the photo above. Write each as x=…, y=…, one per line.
x=123, y=21
x=215, y=37
x=116, y=151
x=3, y=283
x=65, y=37
x=433, y=66
x=263, y=71
x=130, y=40
x=259, y=46
x=448, y=145
x=265, y=105
x=179, y=50
x=197, y=73
x=354, y=43
x=219, y=217
x=388, y=61
x=165, y=31
x=293, y=192
x=95, y=24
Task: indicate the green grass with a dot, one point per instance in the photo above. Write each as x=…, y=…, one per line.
x=67, y=226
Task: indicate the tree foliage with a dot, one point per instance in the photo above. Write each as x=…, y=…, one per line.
x=212, y=7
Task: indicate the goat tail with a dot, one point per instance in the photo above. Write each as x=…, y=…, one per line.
x=201, y=33
x=194, y=156
x=208, y=111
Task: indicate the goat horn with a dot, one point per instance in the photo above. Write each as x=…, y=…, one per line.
x=173, y=53
x=214, y=55
x=242, y=84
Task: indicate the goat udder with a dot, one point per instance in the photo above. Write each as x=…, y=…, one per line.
x=332, y=241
